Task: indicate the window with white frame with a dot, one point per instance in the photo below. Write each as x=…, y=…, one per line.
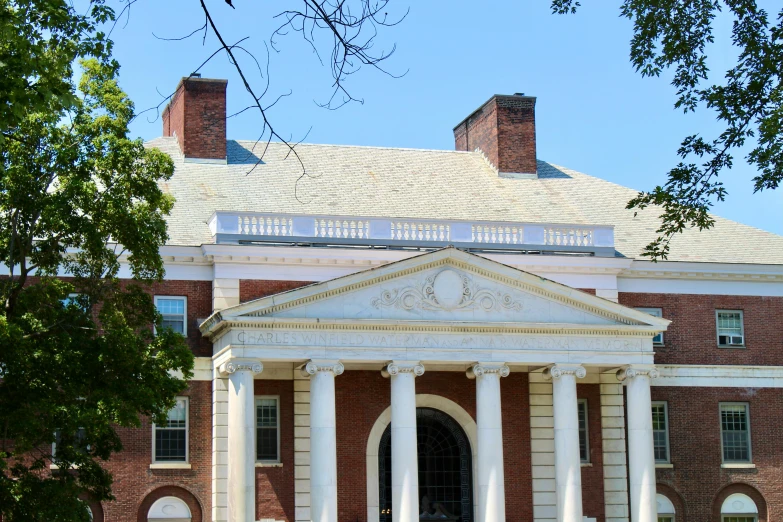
x=731, y=331
x=174, y=312
x=660, y=423
x=665, y=508
x=268, y=429
x=171, y=439
x=739, y=508
x=735, y=432
x=584, y=442
x=79, y=442
x=655, y=312
x=75, y=300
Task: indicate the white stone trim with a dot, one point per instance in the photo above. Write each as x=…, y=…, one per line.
x=734, y=376
x=614, y=449
x=542, y=448
x=450, y=408
x=219, y=448
x=225, y=293
x=301, y=448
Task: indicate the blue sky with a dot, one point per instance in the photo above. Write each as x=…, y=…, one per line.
x=595, y=114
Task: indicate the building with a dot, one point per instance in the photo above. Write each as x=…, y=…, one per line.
x=465, y=335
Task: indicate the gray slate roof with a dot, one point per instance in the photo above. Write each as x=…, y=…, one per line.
x=429, y=184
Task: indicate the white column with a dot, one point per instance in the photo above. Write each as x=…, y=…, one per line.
x=641, y=459
x=490, y=481
x=323, y=439
x=241, y=438
x=568, y=469
x=405, y=465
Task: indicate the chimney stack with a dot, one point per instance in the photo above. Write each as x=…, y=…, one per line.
x=504, y=129
x=196, y=115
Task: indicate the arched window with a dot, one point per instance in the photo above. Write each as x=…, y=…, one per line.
x=665, y=508
x=739, y=508
x=169, y=509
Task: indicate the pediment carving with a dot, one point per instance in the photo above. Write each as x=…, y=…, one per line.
x=447, y=290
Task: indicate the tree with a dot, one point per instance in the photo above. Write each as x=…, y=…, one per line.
x=78, y=356
x=675, y=34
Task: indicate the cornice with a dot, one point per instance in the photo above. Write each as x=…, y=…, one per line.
x=703, y=275
x=433, y=327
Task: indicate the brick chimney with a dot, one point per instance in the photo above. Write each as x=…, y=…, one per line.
x=504, y=129
x=196, y=115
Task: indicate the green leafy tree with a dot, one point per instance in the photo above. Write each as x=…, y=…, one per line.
x=675, y=34
x=78, y=356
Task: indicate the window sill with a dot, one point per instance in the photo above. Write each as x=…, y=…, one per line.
x=170, y=465
x=664, y=465
x=738, y=465
x=586, y=464
x=55, y=466
x=269, y=464
x=732, y=346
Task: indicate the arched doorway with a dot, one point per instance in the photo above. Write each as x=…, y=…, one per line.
x=445, y=469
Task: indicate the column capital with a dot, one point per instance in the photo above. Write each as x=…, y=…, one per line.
x=482, y=368
x=237, y=364
x=558, y=370
x=397, y=367
x=314, y=366
x=637, y=370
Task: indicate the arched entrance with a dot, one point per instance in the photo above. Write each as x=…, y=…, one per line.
x=445, y=469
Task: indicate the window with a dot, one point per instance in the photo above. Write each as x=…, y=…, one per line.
x=665, y=508
x=730, y=329
x=655, y=312
x=267, y=429
x=174, y=312
x=169, y=508
x=735, y=432
x=79, y=441
x=660, y=422
x=584, y=443
x=171, y=439
x=739, y=508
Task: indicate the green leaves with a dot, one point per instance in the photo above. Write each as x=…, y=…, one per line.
x=675, y=34
x=77, y=195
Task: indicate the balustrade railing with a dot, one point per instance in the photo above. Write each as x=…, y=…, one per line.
x=371, y=230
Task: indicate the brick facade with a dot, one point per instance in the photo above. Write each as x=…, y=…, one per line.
x=136, y=486
x=692, y=338
x=275, y=485
x=697, y=479
x=250, y=289
x=696, y=485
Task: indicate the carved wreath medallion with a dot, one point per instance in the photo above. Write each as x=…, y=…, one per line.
x=447, y=290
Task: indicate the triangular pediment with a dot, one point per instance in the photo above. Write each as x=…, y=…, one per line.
x=447, y=285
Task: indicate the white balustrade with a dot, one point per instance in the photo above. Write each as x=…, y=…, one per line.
x=358, y=228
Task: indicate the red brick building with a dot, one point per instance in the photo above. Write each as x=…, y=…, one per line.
x=450, y=335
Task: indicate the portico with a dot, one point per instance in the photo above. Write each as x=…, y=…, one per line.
x=443, y=311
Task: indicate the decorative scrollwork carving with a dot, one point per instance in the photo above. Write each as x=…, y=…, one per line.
x=312, y=367
x=447, y=290
x=396, y=368
x=235, y=365
x=636, y=371
x=558, y=370
x=477, y=370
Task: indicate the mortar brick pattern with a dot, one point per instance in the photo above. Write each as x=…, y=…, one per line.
x=275, y=485
x=134, y=480
x=694, y=437
x=692, y=338
x=250, y=289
